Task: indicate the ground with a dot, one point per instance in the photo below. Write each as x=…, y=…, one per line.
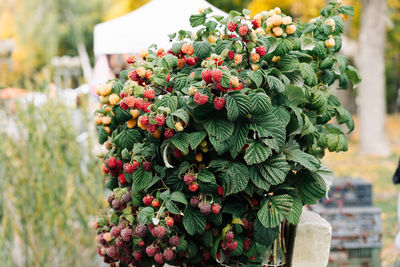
x=379, y=172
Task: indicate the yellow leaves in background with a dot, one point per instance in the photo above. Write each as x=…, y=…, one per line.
x=7, y=24
x=122, y=7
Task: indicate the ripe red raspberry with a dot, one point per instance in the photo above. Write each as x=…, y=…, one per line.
x=239, y=87
x=149, y=93
x=144, y=120
x=99, y=251
x=254, y=201
x=246, y=244
x=245, y=223
x=112, y=252
x=146, y=107
x=208, y=226
x=160, y=119
x=168, y=254
x=194, y=201
x=231, y=245
x=155, y=203
x=147, y=200
x=159, y=231
x=168, y=78
x=216, y=75
x=141, y=230
x=190, y=61
x=206, y=75
x=177, y=153
x=189, y=178
x=151, y=250
x=139, y=103
x=243, y=30
x=133, y=75
x=256, y=23
x=141, y=243
x=151, y=128
x=104, y=168
x=168, y=133
x=147, y=165
x=220, y=190
x=200, y=98
x=115, y=231
x=169, y=221
x=231, y=26
x=135, y=164
x=229, y=236
x=174, y=241
x=219, y=103
x=169, y=89
x=123, y=105
x=216, y=208
x=261, y=50
x=138, y=255
x=119, y=164
x=127, y=197
x=129, y=168
x=159, y=258
x=193, y=187
x=126, y=234
x=231, y=54
x=122, y=179
x=119, y=242
x=111, y=162
x=130, y=101
x=130, y=60
x=205, y=208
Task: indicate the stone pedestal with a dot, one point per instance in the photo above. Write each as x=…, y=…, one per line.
x=312, y=241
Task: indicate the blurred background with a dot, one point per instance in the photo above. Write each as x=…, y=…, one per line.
x=51, y=57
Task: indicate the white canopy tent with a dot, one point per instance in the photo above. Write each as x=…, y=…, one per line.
x=147, y=25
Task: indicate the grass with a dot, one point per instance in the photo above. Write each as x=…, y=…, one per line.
x=379, y=172
x=51, y=189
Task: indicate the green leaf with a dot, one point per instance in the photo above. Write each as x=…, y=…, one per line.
x=172, y=207
x=122, y=115
x=181, y=141
x=288, y=63
x=308, y=74
x=256, y=77
x=197, y=20
x=275, y=84
x=196, y=138
x=237, y=104
x=293, y=153
x=307, y=43
x=179, y=197
x=257, y=152
x=193, y=221
x=265, y=235
x=275, y=169
x=181, y=114
x=141, y=178
x=202, y=49
x=258, y=180
x=295, y=211
x=311, y=187
x=261, y=103
x=319, y=101
x=274, y=210
x=220, y=146
x=170, y=61
x=127, y=138
x=295, y=95
x=234, y=176
x=176, y=47
x=344, y=116
x=168, y=101
x=206, y=176
x=238, y=138
x=283, y=47
x=165, y=195
x=347, y=10
x=353, y=75
x=267, y=125
x=219, y=128
x=145, y=215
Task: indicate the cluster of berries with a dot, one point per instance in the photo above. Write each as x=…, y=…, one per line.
x=204, y=206
x=152, y=123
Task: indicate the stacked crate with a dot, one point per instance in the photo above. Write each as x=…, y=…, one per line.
x=356, y=223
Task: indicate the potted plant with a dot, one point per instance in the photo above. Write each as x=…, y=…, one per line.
x=211, y=148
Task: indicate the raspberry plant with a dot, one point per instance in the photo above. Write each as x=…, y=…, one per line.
x=212, y=146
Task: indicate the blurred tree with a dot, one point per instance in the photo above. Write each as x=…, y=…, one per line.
x=392, y=57
x=122, y=7
x=228, y=5
x=371, y=95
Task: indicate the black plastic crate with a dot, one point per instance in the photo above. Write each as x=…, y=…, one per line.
x=349, y=192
